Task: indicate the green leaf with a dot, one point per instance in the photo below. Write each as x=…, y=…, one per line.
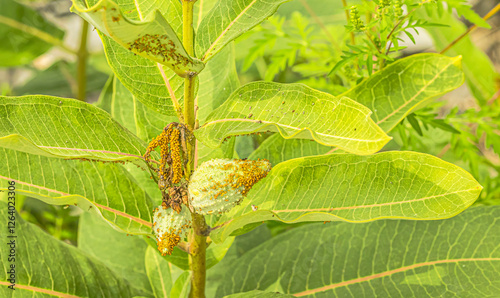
x=155, y=86
x=406, y=84
x=414, y=123
x=242, y=244
x=217, y=82
x=479, y=71
x=181, y=286
x=259, y=294
x=355, y=188
x=152, y=37
x=65, y=128
x=46, y=267
x=158, y=272
x=105, y=189
x=276, y=149
x=453, y=257
x=296, y=111
x=24, y=33
x=131, y=113
x=123, y=254
x=227, y=20
x=201, y=9
x=214, y=254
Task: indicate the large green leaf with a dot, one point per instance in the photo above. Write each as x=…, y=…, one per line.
x=24, y=33
x=158, y=272
x=65, y=128
x=241, y=245
x=391, y=94
x=458, y=257
x=217, y=82
x=296, y=111
x=398, y=89
x=479, y=71
x=201, y=9
x=105, y=189
x=46, y=267
x=151, y=83
x=277, y=149
x=227, y=20
x=355, y=188
x=152, y=37
x=123, y=254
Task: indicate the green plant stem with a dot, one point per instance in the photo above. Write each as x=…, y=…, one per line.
x=348, y=18
x=36, y=33
x=486, y=17
x=81, y=75
x=198, y=239
x=197, y=256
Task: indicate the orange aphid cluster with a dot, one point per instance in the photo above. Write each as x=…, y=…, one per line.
x=170, y=170
x=170, y=228
x=219, y=184
x=158, y=45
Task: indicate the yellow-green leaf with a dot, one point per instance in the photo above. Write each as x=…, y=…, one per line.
x=408, y=83
x=102, y=188
x=65, y=128
x=295, y=111
x=46, y=267
x=355, y=188
x=227, y=20
x=152, y=38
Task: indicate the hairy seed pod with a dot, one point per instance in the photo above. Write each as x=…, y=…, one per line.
x=170, y=227
x=219, y=184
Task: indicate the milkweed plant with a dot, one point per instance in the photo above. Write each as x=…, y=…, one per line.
x=325, y=206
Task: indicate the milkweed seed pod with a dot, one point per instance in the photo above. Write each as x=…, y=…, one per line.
x=170, y=227
x=219, y=184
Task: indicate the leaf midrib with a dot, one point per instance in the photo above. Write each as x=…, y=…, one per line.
x=40, y=290
x=107, y=208
x=415, y=96
x=374, y=205
x=291, y=127
x=223, y=33
x=390, y=272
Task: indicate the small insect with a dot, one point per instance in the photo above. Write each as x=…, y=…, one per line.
x=254, y=208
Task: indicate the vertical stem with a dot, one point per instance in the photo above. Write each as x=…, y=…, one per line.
x=81, y=75
x=198, y=239
x=188, y=41
x=344, y=3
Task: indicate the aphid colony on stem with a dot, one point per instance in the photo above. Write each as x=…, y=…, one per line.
x=215, y=187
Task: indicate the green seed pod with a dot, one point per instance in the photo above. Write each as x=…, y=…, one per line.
x=170, y=227
x=220, y=184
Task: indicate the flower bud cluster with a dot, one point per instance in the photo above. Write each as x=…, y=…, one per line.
x=355, y=19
